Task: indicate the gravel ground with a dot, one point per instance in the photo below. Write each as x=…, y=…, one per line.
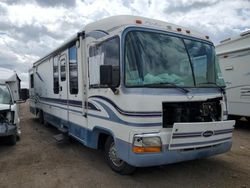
x=39, y=161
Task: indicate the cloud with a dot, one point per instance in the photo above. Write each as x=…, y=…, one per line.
x=29, y=29
x=44, y=3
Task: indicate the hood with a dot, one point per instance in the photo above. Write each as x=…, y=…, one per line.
x=4, y=107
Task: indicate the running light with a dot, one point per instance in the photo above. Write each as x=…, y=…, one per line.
x=138, y=21
x=178, y=29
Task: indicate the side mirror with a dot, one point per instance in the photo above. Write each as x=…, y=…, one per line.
x=106, y=76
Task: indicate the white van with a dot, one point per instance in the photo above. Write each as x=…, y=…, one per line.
x=145, y=91
x=234, y=59
x=9, y=109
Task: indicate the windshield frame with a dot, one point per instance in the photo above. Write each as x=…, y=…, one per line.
x=171, y=34
x=11, y=98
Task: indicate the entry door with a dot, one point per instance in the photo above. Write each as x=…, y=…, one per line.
x=63, y=87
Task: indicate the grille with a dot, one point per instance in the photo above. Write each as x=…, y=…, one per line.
x=201, y=111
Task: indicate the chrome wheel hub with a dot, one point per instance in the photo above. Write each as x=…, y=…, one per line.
x=113, y=156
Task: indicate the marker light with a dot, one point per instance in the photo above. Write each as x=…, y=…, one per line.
x=188, y=31
x=143, y=144
x=178, y=29
x=138, y=21
x=207, y=37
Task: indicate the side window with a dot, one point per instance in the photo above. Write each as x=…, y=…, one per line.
x=63, y=68
x=56, y=75
x=73, y=70
x=107, y=53
x=31, y=81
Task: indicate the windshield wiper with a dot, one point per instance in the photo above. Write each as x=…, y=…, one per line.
x=215, y=84
x=166, y=83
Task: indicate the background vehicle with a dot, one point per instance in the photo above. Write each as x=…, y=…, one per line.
x=9, y=110
x=145, y=91
x=234, y=59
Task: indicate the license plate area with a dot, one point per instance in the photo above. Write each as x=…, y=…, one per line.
x=196, y=135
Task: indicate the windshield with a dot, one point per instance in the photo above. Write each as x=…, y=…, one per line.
x=5, y=97
x=153, y=58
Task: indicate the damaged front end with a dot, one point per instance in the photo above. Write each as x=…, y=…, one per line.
x=7, y=126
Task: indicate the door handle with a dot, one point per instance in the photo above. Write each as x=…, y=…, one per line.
x=60, y=88
x=229, y=68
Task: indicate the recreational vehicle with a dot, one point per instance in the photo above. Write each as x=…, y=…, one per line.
x=234, y=59
x=9, y=110
x=147, y=92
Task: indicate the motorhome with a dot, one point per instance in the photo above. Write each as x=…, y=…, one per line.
x=9, y=109
x=234, y=59
x=146, y=91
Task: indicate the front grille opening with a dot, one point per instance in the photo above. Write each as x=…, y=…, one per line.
x=183, y=112
x=199, y=148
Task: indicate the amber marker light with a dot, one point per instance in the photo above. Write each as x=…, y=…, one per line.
x=178, y=29
x=138, y=21
x=137, y=149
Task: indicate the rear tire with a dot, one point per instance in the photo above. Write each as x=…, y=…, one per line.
x=114, y=162
x=40, y=117
x=12, y=140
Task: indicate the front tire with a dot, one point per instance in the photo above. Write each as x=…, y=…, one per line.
x=115, y=163
x=12, y=140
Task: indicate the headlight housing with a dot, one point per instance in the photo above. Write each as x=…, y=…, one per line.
x=147, y=144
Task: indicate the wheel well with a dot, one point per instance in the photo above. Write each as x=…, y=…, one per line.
x=102, y=140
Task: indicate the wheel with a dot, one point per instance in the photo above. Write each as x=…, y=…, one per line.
x=40, y=117
x=115, y=163
x=12, y=140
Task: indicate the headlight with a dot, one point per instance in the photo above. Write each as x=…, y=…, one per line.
x=146, y=144
x=10, y=116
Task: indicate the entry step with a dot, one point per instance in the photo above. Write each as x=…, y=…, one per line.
x=60, y=137
x=63, y=130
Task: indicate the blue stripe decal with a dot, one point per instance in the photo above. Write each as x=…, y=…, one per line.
x=114, y=118
x=200, y=143
x=80, y=112
x=128, y=113
x=73, y=103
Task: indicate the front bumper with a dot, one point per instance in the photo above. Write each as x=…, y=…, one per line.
x=7, y=129
x=174, y=156
x=186, y=141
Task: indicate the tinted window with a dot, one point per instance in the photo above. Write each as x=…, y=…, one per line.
x=31, y=81
x=73, y=70
x=5, y=97
x=63, y=67
x=110, y=51
x=56, y=75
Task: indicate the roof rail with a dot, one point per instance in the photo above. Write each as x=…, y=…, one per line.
x=225, y=40
x=245, y=33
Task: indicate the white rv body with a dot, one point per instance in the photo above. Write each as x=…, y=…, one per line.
x=9, y=110
x=130, y=115
x=234, y=60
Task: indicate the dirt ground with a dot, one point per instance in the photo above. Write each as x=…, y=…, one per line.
x=39, y=161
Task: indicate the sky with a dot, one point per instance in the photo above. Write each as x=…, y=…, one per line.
x=29, y=29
